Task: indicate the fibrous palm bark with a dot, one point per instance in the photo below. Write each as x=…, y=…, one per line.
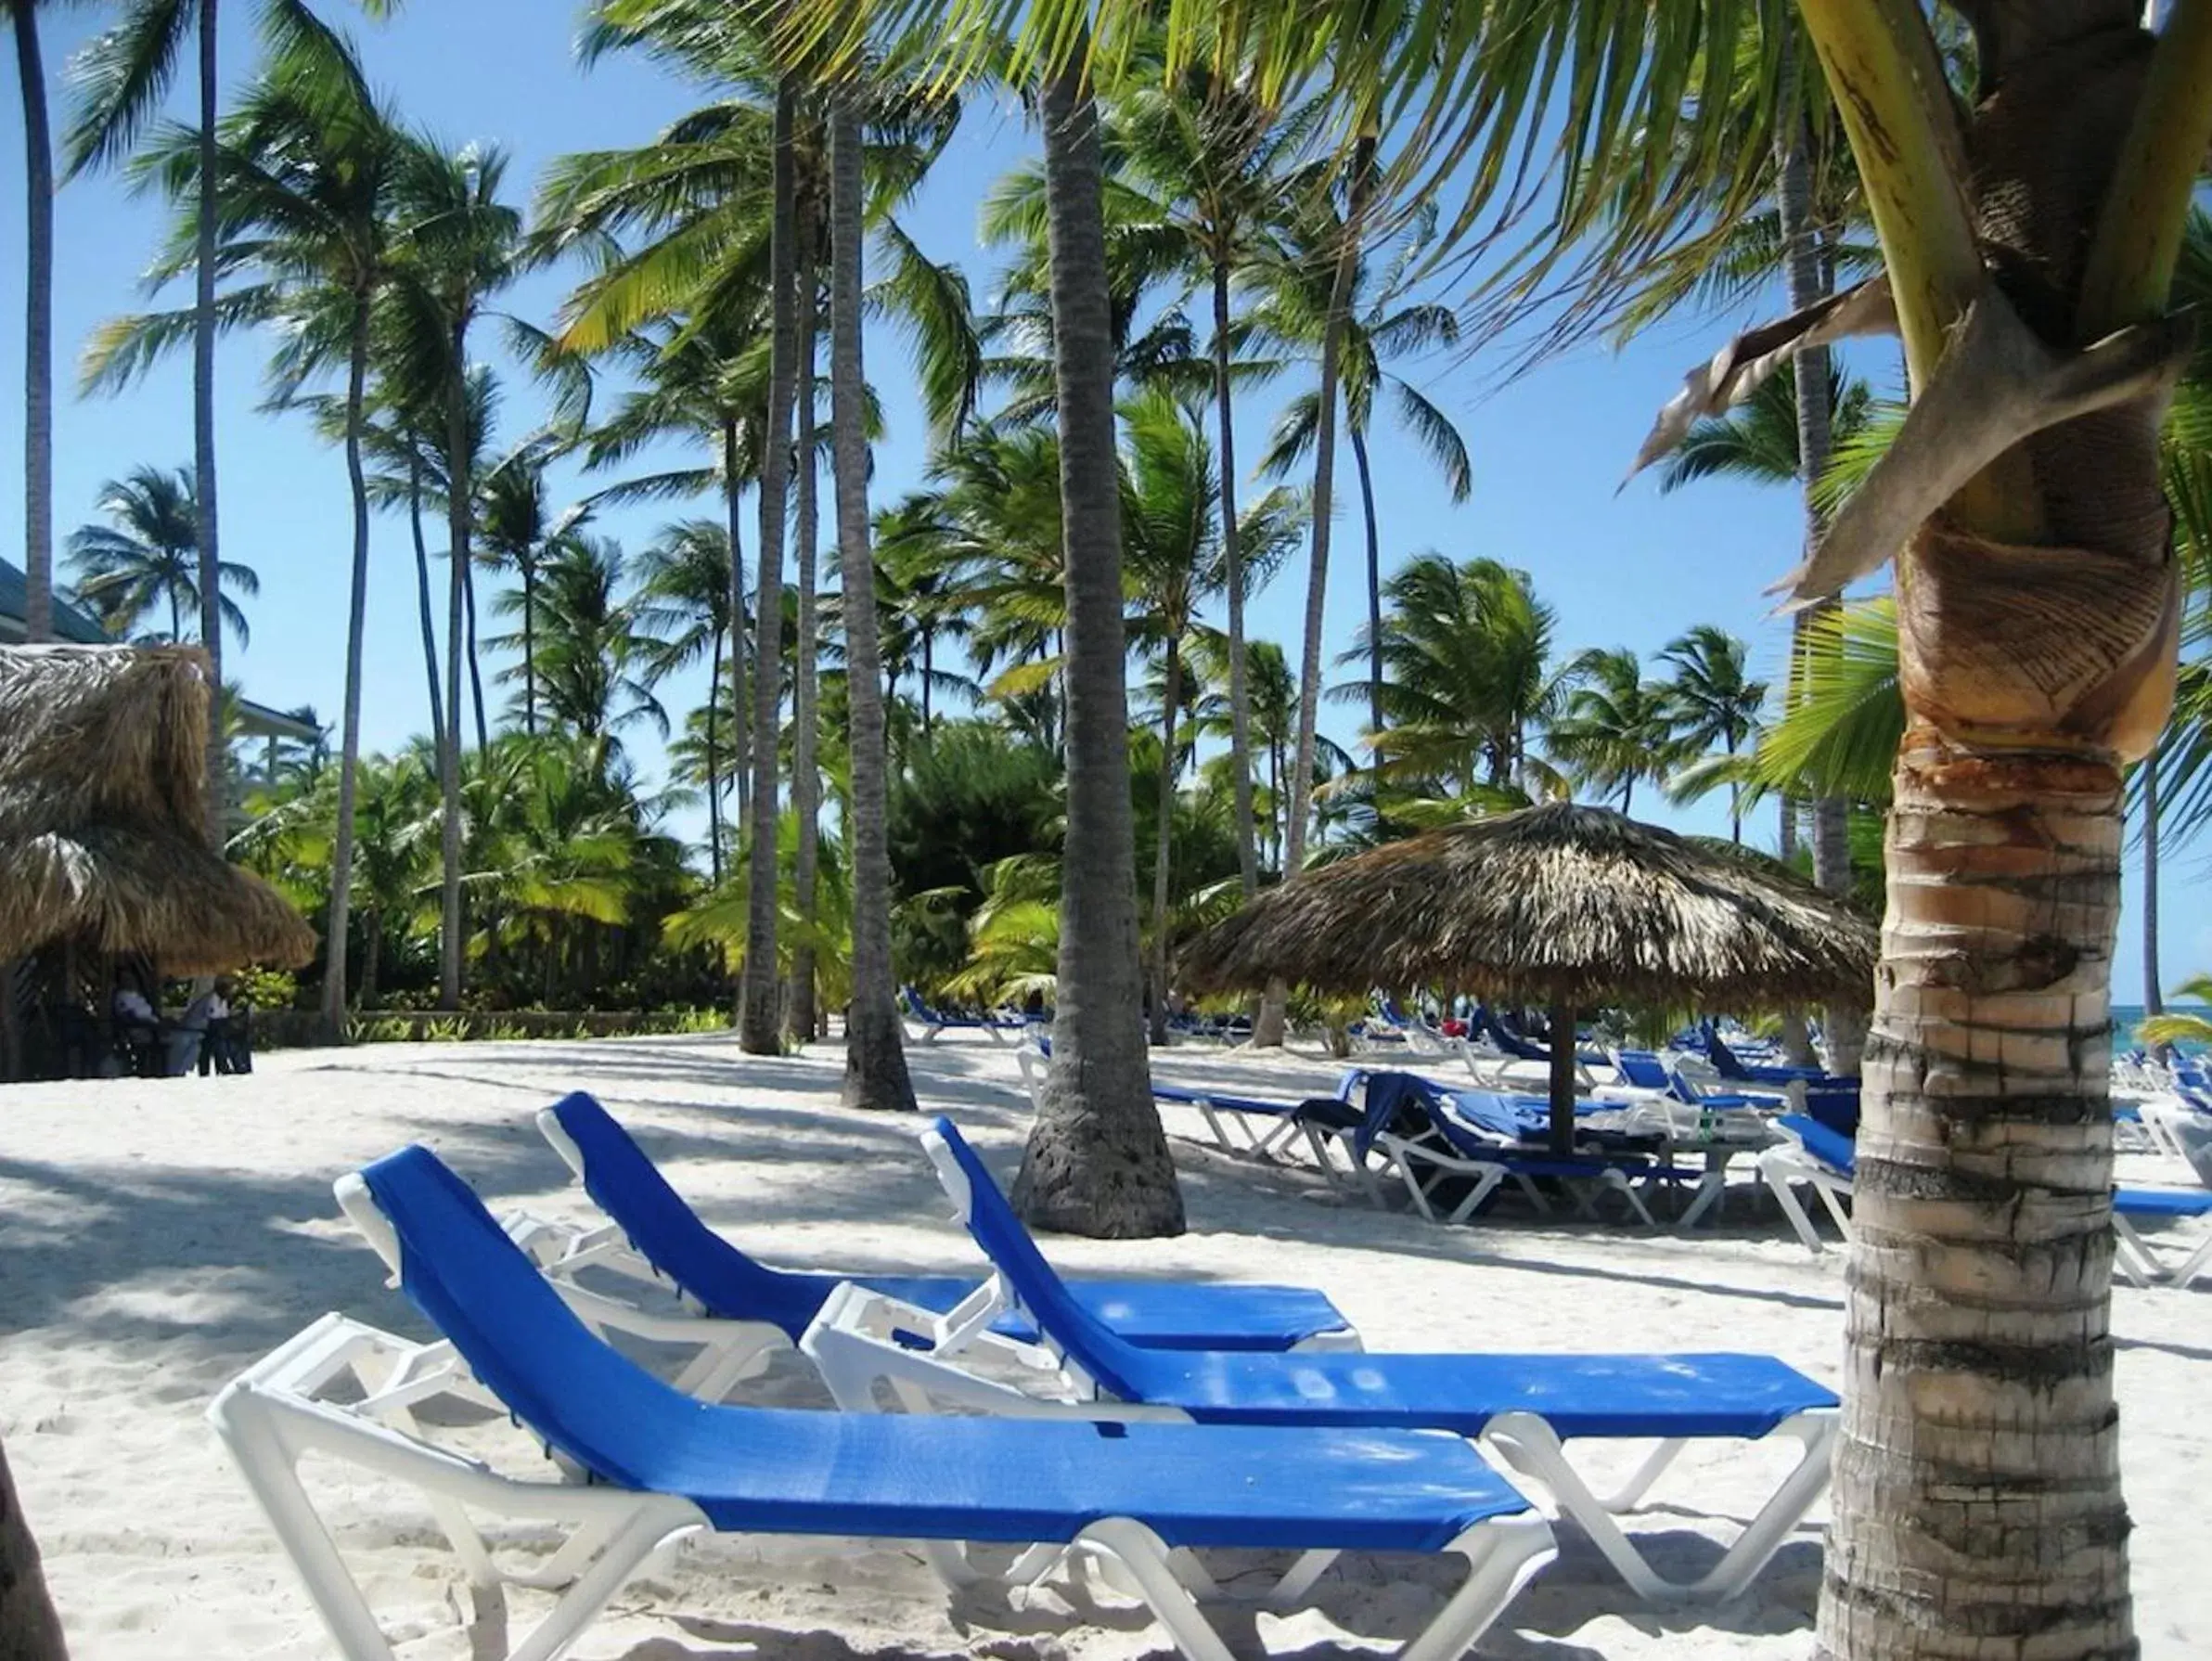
x=203, y=409
x=38, y=332
x=1097, y=1161
x=875, y=1053
x=30, y=1630
x=806, y=780
x=760, y=1021
x=349, y=756
x=1232, y=564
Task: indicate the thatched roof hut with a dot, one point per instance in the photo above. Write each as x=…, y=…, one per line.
x=102, y=816
x=1562, y=906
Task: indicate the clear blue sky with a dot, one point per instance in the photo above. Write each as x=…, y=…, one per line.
x=1633, y=569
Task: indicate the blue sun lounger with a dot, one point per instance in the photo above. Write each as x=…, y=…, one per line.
x=1480, y=1136
x=1826, y=1161
x=1524, y=1407
x=932, y=1021
x=639, y=1465
x=652, y=1220
x=1221, y=1110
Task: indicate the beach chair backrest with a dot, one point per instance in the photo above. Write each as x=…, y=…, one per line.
x=629, y=1188
x=583, y=1398
x=1119, y=1367
x=1725, y=1060
x=1402, y=1104
x=1642, y=1068
x=1832, y=1148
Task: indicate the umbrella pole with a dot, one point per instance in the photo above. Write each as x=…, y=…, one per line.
x=1562, y=1077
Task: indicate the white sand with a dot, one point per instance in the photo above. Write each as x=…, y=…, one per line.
x=155, y=1237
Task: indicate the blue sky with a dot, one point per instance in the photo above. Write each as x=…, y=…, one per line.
x=1633, y=569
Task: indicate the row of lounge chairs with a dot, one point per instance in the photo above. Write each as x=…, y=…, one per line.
x=1128, y=1422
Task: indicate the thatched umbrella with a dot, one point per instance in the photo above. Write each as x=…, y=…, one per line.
x=102, y=816
x=1559, y=904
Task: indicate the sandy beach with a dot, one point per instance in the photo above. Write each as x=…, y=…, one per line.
x=158, y=1236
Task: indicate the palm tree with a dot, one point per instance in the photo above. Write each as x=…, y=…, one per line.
x=683, y=594
x=148, y=558
x=1176, y=542
x=2162, y=1028
x=517, y=531
x=1617, y=727
x=1097, y=1160
x=306, y=165
x=1467, y=654
x=876, y=1073
x=595, y=659
x=1711, y=699
x=1382, y=324
x=457, y=246
x=123, y=78
x=1218, y=170
x=38, y=331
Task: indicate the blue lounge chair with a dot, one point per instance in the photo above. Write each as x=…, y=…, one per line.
x=1524, y=1407
x=641, y=1466
x=1480, y=1137
x=1826, y=1161
x=1735, y=1070
x=1221, y=1111
x=652, y=1220
x=932, y=1021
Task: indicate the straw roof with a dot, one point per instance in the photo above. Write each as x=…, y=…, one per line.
x=1551, y=904
x=102, y=816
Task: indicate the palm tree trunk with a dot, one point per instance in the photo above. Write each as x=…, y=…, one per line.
x=2153, y=995
x=203, y=406
x=799, y=1022
x=527, y=564
x=457, y=623
x=1269, y=1030
x=1163, y=843
x=475, y=658
x=713, y=761
x=760, y=1029
x=1096, y=1162
x=1844, y=1023
x=875, y=1054
x=372, y=953
x=30, y=1629
x=422, y=606
x=176, y=622
x=38, y=335
x=348, y=753
x=739, y=745
x=1374, y=583
x=1232, y=560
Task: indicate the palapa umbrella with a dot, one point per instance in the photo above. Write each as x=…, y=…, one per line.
x=1560, y=905
x=102, y=816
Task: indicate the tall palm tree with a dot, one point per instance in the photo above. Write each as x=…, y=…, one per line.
x=1712, y=700
x=683, y=594
x=1617, y=727
x=306, y=166
x=123, y=78
x=457, y=246
x=800, y=1005
x=1175, y=546
x=1382, y=324
x=760, y=1023
x=516, y=531
x=147, y=558
x=595, y=657
x=876, y=1073
x=1216, y=168
x=1097, y=1160
x=38, y=329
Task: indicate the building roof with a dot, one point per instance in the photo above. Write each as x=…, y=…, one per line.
x=73, y=627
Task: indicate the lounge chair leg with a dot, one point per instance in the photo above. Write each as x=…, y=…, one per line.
x=1529, y=1445
x=1299, y=1578
x=1143, y=1555
x=2131, y=1256
x=1485, y=1186
x=1781, y=1176
x=1630, y=1494
x=1501, y=1557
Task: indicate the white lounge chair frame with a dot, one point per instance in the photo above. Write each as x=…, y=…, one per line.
x=278, y=1411
x=1488, y=1174
x=1788, y=1164
x=852, y=1346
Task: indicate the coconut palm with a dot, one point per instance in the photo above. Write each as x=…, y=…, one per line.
x=38, y=330
x=1711, y=699
x=876, y=1073
x=517, y=531
x=1383, y=323
x=123, y=78
x=2162, y=1028
x=1617, y=727
x=1177, y=543
x=595, y=657
x=1470, y=674
x=145, y=558
x=306, y=165
x=683, y=611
